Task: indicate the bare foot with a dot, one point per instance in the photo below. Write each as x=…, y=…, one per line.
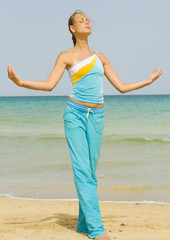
x=103, y=237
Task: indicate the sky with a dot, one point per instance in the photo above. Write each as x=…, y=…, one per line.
x=134, y=35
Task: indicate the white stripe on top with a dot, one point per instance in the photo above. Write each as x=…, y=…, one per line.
x=80, y=64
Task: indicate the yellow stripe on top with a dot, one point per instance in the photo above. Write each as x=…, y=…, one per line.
x=84, y=70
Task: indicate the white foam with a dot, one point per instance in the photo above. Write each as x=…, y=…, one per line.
x=65, y=199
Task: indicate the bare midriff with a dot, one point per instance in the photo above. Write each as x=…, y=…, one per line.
x=93, y=105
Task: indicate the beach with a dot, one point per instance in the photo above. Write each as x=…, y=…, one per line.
x=57, y=219
x=38, y=198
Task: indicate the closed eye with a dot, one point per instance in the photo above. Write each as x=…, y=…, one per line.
x=84, y=19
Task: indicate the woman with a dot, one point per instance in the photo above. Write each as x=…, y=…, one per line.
x=83, y=116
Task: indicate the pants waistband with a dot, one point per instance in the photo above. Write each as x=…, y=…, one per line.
x=83, y=108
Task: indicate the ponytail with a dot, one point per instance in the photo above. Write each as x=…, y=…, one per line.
x=71, y=22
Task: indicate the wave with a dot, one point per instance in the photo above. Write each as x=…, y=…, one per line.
x=48, y=137
x=133, y=188
x=4, y=137
x=113, y=139
x=107, y=139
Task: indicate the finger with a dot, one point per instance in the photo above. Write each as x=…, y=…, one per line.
x=12, y=70
x=158, y=74
x=160, y=71
x=9, y=69
x=154, y=71
x=9, y=74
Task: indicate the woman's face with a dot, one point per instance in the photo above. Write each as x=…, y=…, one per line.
x=81, y=24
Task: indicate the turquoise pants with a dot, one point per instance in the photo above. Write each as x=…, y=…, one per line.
x=84, y=130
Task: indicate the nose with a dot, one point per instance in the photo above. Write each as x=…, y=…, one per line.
x=87, y=24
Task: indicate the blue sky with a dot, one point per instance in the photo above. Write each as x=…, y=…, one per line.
x=134, y=35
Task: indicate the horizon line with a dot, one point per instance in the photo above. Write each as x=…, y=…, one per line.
x=67, y=95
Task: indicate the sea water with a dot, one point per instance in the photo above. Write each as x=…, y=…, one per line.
x=134, y=163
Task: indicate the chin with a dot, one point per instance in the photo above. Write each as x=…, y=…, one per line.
x=89, y=32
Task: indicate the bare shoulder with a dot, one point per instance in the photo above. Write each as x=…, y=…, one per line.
x=62, y=56
x=66, y=57
x=103, y=58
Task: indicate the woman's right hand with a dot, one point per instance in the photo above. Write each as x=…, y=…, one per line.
x=13, y=76
x=44, y=85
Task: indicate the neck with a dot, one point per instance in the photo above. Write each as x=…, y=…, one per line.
x=82, y=44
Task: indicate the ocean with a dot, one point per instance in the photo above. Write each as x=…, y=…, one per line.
x=134, y=163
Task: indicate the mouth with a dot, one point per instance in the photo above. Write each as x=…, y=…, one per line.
x=88, y=27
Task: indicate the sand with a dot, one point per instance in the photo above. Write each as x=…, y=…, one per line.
x=57, y=220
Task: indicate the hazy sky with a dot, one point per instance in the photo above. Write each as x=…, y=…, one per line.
x=133, y=34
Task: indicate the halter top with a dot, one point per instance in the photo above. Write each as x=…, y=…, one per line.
x=87, y=80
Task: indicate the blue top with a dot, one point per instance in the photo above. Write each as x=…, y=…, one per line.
x=87, y=80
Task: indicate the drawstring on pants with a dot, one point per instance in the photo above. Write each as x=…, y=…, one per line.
x=89, y=110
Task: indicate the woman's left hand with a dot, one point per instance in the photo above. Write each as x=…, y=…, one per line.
x=13, y=76
x=154, y=76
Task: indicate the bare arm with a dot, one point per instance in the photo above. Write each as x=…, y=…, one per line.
x=126, y=87
x=45, y=85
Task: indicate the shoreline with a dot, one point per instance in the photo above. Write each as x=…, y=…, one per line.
x=41, y=220
x=115, y=193
x=76, y=199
